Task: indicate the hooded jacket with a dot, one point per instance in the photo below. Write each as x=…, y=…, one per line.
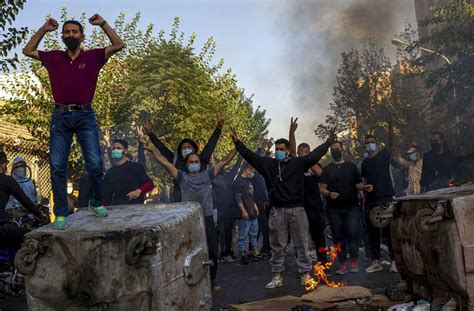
x=26, y=184
x=284, y=179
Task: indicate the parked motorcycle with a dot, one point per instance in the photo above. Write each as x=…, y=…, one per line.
x=11, y=282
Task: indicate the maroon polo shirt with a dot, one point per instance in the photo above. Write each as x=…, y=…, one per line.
x=73, y=81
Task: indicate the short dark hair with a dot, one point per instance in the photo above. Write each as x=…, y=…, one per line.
x=3, y=157
x=337, y=142
x=441, y=135
x=191, y=154
x=370, y=136
x=123, y=142
x=303, y=145
x=71, y=21
x=283, y=141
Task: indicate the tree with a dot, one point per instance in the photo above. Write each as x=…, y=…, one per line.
x=452, y=36
x=371, y=96
x=12, y=37
x=180, y=92
x=187, y=88
x=451, y=84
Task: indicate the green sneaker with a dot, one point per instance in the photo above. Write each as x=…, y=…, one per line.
x=60, y=223
x=99, y=211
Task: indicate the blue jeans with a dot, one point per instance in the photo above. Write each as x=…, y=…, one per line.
x=64, y=124
x=250, y=228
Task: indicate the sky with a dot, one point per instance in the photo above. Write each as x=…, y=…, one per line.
x=284, y=52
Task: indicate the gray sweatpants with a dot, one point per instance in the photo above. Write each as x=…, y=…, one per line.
x=293, y=220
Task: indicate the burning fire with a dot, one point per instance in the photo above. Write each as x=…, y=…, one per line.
x=320, y=269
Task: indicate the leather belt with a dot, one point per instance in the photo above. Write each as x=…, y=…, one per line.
x=73, y=107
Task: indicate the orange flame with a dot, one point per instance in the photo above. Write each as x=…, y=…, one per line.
x=320, y=269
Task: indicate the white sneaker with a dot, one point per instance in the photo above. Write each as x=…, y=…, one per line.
x=376, y=266
x=277, y=281
x=393, y=267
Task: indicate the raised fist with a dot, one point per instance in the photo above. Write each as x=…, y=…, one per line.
x=51, y=25
x=96, y=19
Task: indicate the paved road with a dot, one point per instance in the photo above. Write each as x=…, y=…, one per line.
x=240, y=284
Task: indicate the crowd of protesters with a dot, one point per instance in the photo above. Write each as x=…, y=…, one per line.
x=287, y=196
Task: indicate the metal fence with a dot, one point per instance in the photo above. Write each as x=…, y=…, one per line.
x=17, y=142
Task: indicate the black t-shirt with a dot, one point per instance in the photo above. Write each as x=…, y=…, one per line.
x=312, y=196
x=243, y=192
x=342, y=178
x=377, y=172
x=123, y=179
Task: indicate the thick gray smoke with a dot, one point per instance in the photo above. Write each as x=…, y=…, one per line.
x=318, y=31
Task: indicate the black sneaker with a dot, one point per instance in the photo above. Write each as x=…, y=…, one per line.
x=244, y=259
x=255, y=255
x=266, y=256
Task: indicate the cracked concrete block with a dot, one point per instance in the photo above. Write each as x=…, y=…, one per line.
x=140, y=257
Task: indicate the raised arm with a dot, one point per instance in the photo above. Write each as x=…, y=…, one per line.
x=141, y=147
x=220, y=165
x=251, y=157
x=31, y=48
x=314, y=156
x=108, y=148
x=116, y=43
x=396, y=158
x=162, y=148
x=163, y=162
x=208, y=150
x=292, y=137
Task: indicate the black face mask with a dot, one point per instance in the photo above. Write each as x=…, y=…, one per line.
x=436, y=147
x=71, y=43
x=336, y=155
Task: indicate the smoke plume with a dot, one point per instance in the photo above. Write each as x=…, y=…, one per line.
x=318, y=31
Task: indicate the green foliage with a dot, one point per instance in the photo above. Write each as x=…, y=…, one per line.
x=181, y=92
x=12, y=37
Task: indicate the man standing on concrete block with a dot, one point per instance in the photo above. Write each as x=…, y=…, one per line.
x=73, y=75
x=284, y=177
